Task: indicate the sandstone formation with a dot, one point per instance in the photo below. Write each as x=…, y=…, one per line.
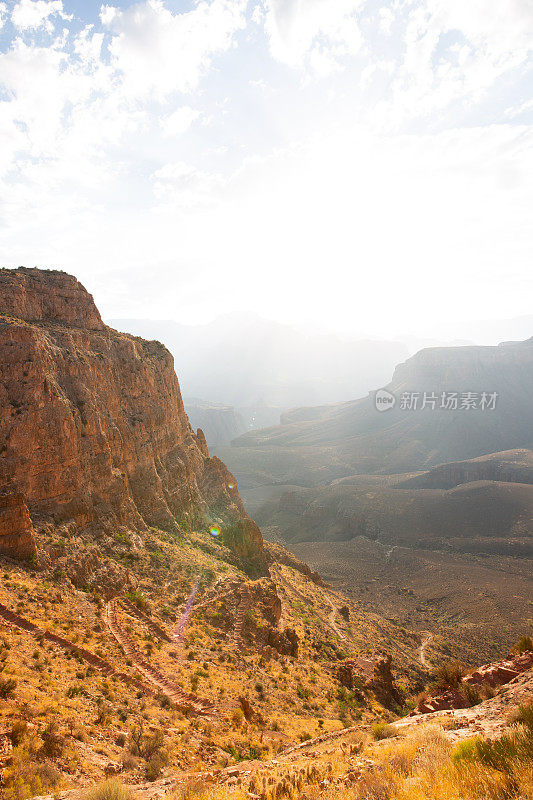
x=16, y=529
x=511, y=466
x=373, y=675
x=280, y=555
x=491, y=675
x=92, y=423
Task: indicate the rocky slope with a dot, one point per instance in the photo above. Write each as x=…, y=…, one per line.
x=93, y=428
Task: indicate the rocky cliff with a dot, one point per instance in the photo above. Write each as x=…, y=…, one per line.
x=92, y=423
x=220, y=423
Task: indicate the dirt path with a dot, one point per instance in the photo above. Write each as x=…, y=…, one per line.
x=331, y=617
x=426, y=641
x=186, y=701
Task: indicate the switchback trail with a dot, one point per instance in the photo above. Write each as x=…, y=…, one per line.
x=187, y=701
x=14, y=620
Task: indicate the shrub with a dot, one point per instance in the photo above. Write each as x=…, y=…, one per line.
x=7, y=687
x=470, y=694
x=375, y=787
x=237, y=717
x=381, y=730
x=18, y=731
x=524, y=644
x=193, y=790
x=154, y=765
x=120, y=739
x=448, y=676
x=139, y=600
x=24, y=778
x=53, y=741
x=525, y=715
x=111, y=789
x=502, y=754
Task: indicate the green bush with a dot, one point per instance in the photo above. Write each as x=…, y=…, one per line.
x=24, y=778
x=448, y=676
x=111, y=789
x=470, y=694
x=524, y=644
x=7, y=687
x=53, y=741
x=503, y=754
x=381, y=730
x=138, y=599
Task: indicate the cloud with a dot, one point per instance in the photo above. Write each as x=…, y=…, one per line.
x=30, y=14
x=179, y=121
x=318, y=33
x=160, y=53
x=182, y=185
x=96, y=175
x=456, y=51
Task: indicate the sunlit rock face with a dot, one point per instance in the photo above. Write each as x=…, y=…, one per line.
x=92, y=423
x=16, y=529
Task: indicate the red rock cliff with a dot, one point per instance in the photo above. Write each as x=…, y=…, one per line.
x=92, y=425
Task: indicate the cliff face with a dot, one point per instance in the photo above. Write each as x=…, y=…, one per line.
x=16, y=529
x=220, y=423
x=92, y=424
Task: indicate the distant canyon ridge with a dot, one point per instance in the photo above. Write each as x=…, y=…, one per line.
x=241, y=372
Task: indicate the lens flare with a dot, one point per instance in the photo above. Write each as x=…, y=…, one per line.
x=214, y=531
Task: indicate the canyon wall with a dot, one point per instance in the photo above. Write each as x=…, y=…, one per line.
x=92, y=423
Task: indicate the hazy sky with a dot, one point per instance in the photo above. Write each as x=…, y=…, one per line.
x=348, y=164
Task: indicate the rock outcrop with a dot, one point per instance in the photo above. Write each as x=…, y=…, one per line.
x=92, y=423
x=278, y=554
x=493, y=675
x=16, y=529
x=372, y=675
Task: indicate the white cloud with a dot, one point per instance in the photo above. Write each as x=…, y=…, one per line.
x=179, y=121
x=457, y=51
x=182, y=185
x=318, y=32
x=516, y=111
x=96, y=177
x=386, y=19
x=159, y=53
x=28, y=14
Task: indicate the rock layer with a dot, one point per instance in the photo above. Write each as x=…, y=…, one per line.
x=16, y=529
x=92, y=423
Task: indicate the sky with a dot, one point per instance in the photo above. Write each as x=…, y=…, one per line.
x=359, y=166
